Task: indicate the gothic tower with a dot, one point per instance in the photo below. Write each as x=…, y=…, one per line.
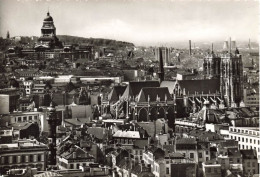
x=211, y=65
x=227, y=67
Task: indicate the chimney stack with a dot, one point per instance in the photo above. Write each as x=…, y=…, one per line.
x=190, y=48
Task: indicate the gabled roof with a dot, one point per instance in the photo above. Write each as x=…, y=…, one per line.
x=206, y=86
x=153, y=92
x=169, y=84
x=79, y=154
x=134, y=87
x=116, y=92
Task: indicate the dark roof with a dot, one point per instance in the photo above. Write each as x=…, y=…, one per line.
x=21, y=126
x=116, y=92
x=186, y=141
x=98, y=132
x=153, y=93
x=234, y=153
x=134, y=87
x=248, y=154
x=206, y=86
x=229, y=143
x=140, y=143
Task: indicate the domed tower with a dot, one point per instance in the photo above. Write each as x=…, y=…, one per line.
x=48, y=39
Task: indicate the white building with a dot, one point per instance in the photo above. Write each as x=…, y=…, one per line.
x=247, y=137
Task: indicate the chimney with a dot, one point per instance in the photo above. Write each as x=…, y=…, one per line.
x=161, y=69
x=190, y=48
x=74, y=155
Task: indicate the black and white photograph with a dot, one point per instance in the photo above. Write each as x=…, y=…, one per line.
x=129, y=88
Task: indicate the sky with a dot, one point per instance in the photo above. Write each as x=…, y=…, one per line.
x=137, y=21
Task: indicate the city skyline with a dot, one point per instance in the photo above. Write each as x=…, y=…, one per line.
x=139, y=22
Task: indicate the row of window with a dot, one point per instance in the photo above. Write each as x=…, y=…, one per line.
x=247, y=140
x=14, y=159
x=213, y=170
x=24, y=119
x=244, y=131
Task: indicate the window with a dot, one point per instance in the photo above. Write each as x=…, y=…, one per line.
x=167, y=170
x=77, y=166
x=30, y=117
x=24, y=119
x=209, y=170
x=39, y=158
x=35, y=117
x=184, y=154
x=31, y=158
x=200, y=155
x=207, y=152
x=6, y=160
x=242, y=139
x=19, y=119
x=248, y=164
x=22, y=158
x=207, y=158
x=14, y=159
x=238, y=138
x=191, y=155
x=215, y=170
x=253, y=164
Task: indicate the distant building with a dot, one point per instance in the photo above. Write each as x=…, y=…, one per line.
x=22, y=154
x=48, y=39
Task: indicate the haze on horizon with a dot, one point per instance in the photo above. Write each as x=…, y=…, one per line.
x=141, y=21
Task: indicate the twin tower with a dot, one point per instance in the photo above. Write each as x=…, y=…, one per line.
x=228, y=68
